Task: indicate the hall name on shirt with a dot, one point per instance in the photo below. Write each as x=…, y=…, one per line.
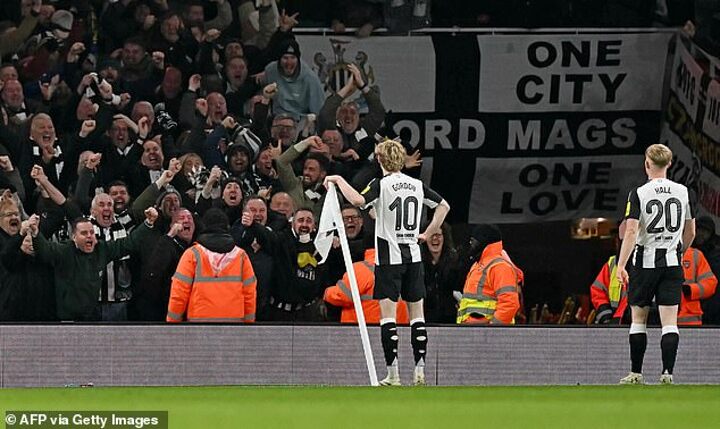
x=403, y=185
x=663, y=190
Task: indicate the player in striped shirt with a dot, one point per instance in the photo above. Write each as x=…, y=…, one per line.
x=659, y=228
x=398, y=200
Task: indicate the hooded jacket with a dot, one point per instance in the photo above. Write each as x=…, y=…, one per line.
x=299, y=94
x=214, y=282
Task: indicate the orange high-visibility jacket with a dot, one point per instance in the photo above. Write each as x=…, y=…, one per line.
x=702, y=284
x=339, y=295
x=608, y=295
x=213, y=287
x=491, y=288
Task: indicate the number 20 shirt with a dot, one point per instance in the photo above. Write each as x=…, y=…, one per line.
x=661, y=206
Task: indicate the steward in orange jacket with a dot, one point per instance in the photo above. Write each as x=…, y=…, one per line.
x=700, y=283
x=340, y=295
x=608, y=295
x=214, y=280
x=492, y=287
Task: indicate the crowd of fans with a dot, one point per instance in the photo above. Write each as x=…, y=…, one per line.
x=131, y=129
x=111, y=110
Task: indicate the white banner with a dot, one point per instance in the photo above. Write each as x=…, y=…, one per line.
x=402, y=68
x=692, y=126
x=561, y=73
x=687, y=169
x=711, y=119
x=686, y=75
x=515, y=190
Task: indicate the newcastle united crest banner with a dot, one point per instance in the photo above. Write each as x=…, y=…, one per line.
x=526, y=127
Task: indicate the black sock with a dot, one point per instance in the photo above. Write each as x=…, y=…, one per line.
x=669, y=346
x=638, y=344
x=389, y=337
x=419, y=342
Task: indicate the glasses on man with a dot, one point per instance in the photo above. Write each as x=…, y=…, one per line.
x=284, y=127
x=353, y=218
x=10, y=214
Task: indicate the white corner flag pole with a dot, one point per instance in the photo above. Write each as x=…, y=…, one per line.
x=357, y=303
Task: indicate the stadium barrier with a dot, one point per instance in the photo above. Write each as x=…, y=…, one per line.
x=160, y=355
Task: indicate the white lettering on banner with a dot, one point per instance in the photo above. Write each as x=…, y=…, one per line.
x=711, y=121
x=686, y=76
x=437, y=132
x=402, y=68
x=472, y=134
x=522, y=135
x=571, y=72
x=590, y=134
x=510, y=190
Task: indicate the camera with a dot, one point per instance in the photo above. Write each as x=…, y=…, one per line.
x=163, y=118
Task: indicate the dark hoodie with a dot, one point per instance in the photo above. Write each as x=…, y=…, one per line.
x=216, y=241
x=152, y=294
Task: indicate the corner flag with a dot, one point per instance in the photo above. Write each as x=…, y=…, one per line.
x=331, y=221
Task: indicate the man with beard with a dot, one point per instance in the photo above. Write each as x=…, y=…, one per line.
x=246, y=235
x=299, y=89
x=150, y=300
x=298, y=280
x=214, y=280
x=306, y=191
x=118, y=191
x=115, y=289
x=80, y=264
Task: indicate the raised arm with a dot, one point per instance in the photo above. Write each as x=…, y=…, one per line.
x=688, y=234
x=348, y=191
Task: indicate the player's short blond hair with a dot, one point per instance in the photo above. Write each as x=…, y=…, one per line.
x=659, y=155
x=391, y=155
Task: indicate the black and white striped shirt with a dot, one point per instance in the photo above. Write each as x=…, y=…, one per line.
x=398, y=201
x=662, y=207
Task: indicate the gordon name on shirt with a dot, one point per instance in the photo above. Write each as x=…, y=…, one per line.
x=403, y=185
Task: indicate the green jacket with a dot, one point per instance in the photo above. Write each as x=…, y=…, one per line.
x=79, y=275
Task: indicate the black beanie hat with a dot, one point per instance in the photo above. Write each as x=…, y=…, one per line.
x=486, y=234
x=289, y=46
x=215, y=220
